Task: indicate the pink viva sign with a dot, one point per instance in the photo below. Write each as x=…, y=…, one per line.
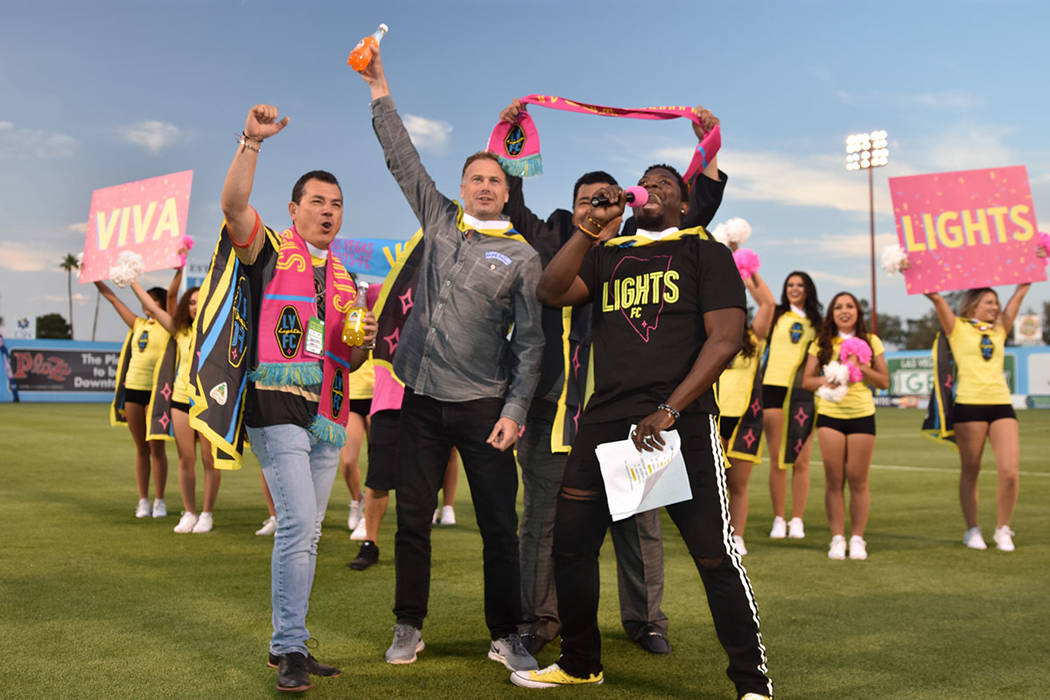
x=147, y=217
x=966, y=229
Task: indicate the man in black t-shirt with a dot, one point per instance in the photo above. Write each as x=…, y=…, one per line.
x=668, y=317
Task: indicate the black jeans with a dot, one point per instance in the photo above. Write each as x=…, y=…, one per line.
x=429, y=429
x=703, y=521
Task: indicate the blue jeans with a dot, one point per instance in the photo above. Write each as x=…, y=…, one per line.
x=299, y=470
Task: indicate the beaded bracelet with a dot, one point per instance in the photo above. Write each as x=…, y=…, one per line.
x=669, y=411
x=245, y=142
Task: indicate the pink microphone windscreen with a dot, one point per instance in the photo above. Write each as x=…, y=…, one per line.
x=640, y=194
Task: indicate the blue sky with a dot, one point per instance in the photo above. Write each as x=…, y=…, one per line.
x=109, y=92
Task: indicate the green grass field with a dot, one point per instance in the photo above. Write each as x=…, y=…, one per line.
x=94, y=603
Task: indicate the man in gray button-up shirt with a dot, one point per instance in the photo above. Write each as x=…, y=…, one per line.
x=469, y=355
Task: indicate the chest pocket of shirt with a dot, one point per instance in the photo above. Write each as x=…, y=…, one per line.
x=490, y=276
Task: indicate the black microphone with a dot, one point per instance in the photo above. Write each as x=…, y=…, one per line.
x=635, y=195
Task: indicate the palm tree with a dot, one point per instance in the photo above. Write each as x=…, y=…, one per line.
x=70, y=263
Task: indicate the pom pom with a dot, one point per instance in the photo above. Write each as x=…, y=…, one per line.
x=747, y=262
x=735, y=230
x=127, y=267
x=1043, y=241
x=187, y=242
x=855, y=346
x=892, y=258
x=80, y=264
x=836, y=372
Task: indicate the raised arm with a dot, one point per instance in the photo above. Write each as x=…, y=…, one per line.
x=402, y=158
x=767, y=304
x=172, y=301
x=149, y=303
x=1014, y=305
x=708, y=186
x=944, y=312
x=126, y=314
x=260, y=124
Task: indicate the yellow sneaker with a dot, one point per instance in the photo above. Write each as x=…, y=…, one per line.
x=552, y=677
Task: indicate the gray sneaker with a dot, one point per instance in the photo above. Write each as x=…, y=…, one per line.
x=407, y=641
x=510, y=652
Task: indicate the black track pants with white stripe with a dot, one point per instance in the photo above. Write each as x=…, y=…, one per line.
x=703, y=522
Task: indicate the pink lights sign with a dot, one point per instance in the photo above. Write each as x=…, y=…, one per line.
x=966, y=229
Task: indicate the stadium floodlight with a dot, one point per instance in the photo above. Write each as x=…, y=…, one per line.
x=864, y=152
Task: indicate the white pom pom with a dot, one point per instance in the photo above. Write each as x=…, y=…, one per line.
x=126, y=269
x=838, y=372
x=80, y=264
x=892, y=258
x=735, y=230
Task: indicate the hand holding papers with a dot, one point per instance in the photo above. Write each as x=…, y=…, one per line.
x=639, y=481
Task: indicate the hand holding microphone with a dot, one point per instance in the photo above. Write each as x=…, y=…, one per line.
x=635, y=196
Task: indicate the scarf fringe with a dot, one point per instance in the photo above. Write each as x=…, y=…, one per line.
x=327, y=430
x=304, y=374
x=522, y=167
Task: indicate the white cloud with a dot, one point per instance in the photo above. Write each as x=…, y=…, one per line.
x=18, y=143
x=813, y=182
x=949, y=100
x=79, y=227
x=837, y=245
x=842, y=280
x=971, y=146
x=429, y=134
x=19, y=257
x=152, y=135
x=78, y=298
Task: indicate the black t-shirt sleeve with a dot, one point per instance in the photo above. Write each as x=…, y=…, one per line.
x=719, y=284
x=545, y=236
x=589, y=270
x=704, y=199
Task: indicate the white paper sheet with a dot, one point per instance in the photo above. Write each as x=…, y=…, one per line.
x=639, y=481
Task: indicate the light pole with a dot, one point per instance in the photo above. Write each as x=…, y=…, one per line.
x=866, y=152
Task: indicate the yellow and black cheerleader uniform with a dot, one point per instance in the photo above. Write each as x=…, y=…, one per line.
x=981, y=393
x=788, y=342
x=143, y=348
x=856, y=412
x=738, y=393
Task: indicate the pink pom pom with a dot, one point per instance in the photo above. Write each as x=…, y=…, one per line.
x=187, y=241
x=1043, y=241
x=855, y=346
x=747, y=262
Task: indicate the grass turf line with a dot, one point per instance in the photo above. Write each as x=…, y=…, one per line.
x=95, y=603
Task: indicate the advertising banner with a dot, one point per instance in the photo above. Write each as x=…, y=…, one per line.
x=61, y=370
x=966, y=229
x=147, y=217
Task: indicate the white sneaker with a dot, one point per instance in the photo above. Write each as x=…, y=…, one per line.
x=448, y=515
x=269, y=527
x=359, y=534
x=738, y=545
x=858, y=548
x=186, y=523
x=356, y=514
x=204, y=524
x=837, y=550
x=159, y=509
x=142, y=510
x=973, y=539
x=1004, y=538
x=795, y=529
x=779, y=530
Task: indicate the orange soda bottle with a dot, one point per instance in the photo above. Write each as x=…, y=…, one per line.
x=362, y=54
x=354, y=326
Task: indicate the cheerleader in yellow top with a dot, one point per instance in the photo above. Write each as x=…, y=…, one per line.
x=846, y=429
x=982, y=403
x=734, y=390
x=178, y=320
x=147, y=343
x=795, y=321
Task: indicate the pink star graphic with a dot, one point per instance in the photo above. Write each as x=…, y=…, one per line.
x=756, y=407
x=406, y=301
x=798, y=446
x=163, y=420
x=392, y=340
x=576, y=362
x=576, y=418
x=749, y=438
x=166, y=391
x=948, y=382
x=801, y=416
